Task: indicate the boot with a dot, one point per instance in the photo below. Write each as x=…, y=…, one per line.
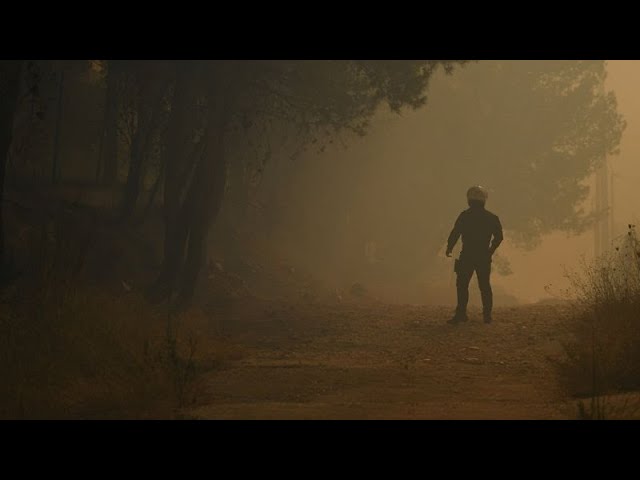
x=458, y=318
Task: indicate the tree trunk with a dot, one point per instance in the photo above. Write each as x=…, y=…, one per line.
x=134, y=176
x=55, y=167
x=109, y=160
x=176, y=173
x=154, y=191
x=209, y=198
x=187, y=222
x=10, y=71
x=151, y=91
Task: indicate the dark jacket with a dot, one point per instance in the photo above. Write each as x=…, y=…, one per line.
x=477, y=226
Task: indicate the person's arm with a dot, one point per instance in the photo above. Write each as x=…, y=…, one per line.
x=497, y=236
x=454, y=235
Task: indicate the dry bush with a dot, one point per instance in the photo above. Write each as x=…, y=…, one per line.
x=603, y=354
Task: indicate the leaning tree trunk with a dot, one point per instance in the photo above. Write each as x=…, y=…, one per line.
x=151, y=90
x=208, y=201
x=176, y=176
x=10, y=71
x=208, y=192
x=188, y=221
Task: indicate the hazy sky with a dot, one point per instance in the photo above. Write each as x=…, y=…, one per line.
x=546, y=265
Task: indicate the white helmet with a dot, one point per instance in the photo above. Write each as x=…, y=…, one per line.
x=477, y=192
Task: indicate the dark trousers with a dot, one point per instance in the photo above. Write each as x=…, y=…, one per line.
x=465, y=267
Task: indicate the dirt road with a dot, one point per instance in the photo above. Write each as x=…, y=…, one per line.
x=387, y=362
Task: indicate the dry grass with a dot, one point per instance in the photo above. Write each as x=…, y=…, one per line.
x=72, y=349
x=603, y=355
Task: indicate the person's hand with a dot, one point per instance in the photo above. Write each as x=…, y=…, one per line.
x=448, y=254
